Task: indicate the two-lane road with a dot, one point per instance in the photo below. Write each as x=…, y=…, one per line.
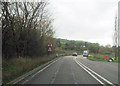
x=75, y=70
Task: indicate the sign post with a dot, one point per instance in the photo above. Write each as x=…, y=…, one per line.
x=50, y=45
x=50, y=49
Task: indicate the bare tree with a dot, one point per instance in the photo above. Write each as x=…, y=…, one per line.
x=26, y=24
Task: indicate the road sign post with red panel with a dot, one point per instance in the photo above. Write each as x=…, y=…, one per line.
x=50, y=49
x=50, y=45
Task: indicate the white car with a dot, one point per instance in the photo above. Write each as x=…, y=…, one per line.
x=74, y=54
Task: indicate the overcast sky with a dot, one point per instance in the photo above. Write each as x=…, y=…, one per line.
x=87, y=20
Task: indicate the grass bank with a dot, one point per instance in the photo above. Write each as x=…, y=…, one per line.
x=19, y=66
x=101, y=58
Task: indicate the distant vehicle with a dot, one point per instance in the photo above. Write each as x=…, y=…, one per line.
x=74, y=54
x=85, y=53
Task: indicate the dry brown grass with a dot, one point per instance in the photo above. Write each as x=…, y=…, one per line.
x=18, y=66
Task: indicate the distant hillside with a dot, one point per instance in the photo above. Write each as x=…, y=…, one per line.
x=80, y=45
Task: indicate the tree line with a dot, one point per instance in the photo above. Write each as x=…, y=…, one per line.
x=26, y=29
x=80, y=46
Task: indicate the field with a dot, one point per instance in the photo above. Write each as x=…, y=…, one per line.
x=102, y=58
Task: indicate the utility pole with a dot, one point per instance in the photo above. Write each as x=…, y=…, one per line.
x=119, y=30
x=115, y=37
x=119, y=35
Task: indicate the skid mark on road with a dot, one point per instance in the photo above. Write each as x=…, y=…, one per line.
x=75, y=80
x=54, y=77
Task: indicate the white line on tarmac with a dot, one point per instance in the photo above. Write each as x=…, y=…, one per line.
x=40, y=71
x=73, y=74
x=53, y=80
x=90, y=73
x=95, y=73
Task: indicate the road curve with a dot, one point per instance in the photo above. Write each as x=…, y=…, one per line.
x=69, y=70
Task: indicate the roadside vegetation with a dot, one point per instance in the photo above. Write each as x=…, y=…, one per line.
x=19, y=66
x=27, y=29
x=102, y=58
x=96, y=51
x=80, y=46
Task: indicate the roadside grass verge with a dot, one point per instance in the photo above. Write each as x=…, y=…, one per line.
x=18, y=66
x=94, y=59
x=101, y=58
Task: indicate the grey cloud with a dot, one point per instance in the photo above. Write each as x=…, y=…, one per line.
x=89, y=20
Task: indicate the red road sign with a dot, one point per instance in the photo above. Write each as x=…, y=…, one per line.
x=49, y=49
x=106, y=57
x=50, y=45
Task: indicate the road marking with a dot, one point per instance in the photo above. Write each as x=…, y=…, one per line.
x=75, y=81
x=73, y=74
x=55, y=76
x=25, y=81
x=53, y=80
x=90, y=73
x=40, y=71
x=95, y=73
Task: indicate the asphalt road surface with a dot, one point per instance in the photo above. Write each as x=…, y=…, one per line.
x=75, y=70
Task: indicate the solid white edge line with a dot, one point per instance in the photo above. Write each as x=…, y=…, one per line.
x=40, y=70
x=97, y=74
x=90, y=73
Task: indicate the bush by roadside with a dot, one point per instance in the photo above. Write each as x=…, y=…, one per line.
x=19, y=66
